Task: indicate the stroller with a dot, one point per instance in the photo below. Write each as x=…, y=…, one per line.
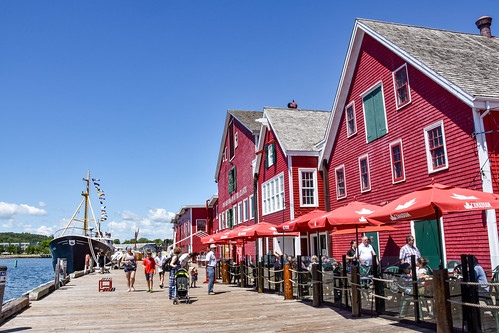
x=182, y=282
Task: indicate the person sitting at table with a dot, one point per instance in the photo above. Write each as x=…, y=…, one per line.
x=314, y=260
x=406, y=278
x=480, y=276
x=421, y=271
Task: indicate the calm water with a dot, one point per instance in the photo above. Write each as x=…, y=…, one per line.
x=29, y=274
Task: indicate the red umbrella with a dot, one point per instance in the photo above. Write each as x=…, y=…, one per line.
x=258, y=230
x=346, y=216
x=300, y=223
x=431, y=201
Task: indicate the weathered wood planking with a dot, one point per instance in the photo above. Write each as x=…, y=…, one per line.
x=79, y=307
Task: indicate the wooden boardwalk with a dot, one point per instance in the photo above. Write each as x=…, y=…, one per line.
x=79, y=307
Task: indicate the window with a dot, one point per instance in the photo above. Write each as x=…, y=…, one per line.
x=273, y=194
x=401, y=84
x=229, y=221
x=231, y=140
x=251, y=206
x=201, y=225
x=351, y=122
x=220, y=222
x=235, y=140
x=232, y=180
x=341, y=190
x=225, y=154
x=239, y=213
x=365, y=179
x=270, y=155
x=245, y=209
x=224, y=218
x=374, y=114
x=308, y=187
x=436, y=151
x=234, y=216
x=397, y=158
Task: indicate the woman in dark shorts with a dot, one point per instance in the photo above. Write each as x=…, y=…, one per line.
x=130, y=267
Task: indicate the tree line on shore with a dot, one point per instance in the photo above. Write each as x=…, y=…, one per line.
x=39, y=244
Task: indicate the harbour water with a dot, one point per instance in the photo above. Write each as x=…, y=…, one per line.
x=29, y=274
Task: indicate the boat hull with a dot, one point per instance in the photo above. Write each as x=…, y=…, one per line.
x=75, y=248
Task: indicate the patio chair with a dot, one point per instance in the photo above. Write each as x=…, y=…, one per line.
x=405, y=289
x=451, y=265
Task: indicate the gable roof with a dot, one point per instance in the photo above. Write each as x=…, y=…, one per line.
x=298, y=130
x=467, y=60
x=464, y=64
x=247, y=119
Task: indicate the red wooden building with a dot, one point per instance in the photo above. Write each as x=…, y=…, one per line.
x=288, y=181
x=414, y=104
x=190, y=224
x=234, y=172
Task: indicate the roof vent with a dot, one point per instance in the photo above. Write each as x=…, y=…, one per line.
x=483, y=23
x=292, y=105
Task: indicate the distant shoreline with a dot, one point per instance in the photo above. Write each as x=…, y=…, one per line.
x=17, y=256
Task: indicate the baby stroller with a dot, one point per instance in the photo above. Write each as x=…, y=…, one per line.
x=182, y=282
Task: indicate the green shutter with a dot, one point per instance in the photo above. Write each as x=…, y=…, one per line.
x=234, y=179
x=230, y=181
x=380, y=112
x=374, y=113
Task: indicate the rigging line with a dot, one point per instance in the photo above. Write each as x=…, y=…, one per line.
x=95, y=221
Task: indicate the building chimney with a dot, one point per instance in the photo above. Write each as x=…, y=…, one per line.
x=483, y=23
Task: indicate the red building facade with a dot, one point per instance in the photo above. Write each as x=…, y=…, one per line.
x=396, y=125
x=289, y=183
x=234, y=174
x=190, y=224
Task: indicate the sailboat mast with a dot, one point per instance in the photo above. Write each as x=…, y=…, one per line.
x=85, y=195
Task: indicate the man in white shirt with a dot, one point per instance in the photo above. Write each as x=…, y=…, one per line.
x=366, y=252
x=160, y=260
x=211, y=262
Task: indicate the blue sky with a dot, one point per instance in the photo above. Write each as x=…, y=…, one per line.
x=137, y=93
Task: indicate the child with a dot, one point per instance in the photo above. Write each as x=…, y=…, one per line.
x=149, y=265
x=421, y=271
x=194, y=277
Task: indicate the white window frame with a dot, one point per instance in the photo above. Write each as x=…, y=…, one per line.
x=239, y=213
x=300, y=178
x=352, y=104
x=368, y=91
x=429, y=159
x=220, y=221
x=270, y=155
x=234, y=215
x=224, y=218
x=398, y=142
x=344, y=181
x=272, y=196
x=398, y=107
x=251, y=204
x=245, y=210
x=363, y=190
x=205, y=224
x=235, y=139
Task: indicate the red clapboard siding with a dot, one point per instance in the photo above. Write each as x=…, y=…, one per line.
x=490, y=122
x=463, y=232
x=265, y=174
x=299, y=162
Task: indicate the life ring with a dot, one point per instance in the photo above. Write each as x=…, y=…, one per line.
x=87, y=260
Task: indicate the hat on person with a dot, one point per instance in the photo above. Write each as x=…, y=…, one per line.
x=213, y=246
x=128, y=247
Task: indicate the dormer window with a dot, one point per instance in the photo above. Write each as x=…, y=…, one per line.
x=401, y=84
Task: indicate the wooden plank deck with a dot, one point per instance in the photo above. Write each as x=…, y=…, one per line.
x=79, y=307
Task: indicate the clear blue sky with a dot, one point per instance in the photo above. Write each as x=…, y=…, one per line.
x=137, y=93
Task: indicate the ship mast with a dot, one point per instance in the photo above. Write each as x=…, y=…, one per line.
x=85, y=195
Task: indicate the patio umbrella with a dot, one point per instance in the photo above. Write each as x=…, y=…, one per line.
x=300, y=223
x=351, y=215
x=430, y=202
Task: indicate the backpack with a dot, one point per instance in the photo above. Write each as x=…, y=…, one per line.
x=166, y=265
